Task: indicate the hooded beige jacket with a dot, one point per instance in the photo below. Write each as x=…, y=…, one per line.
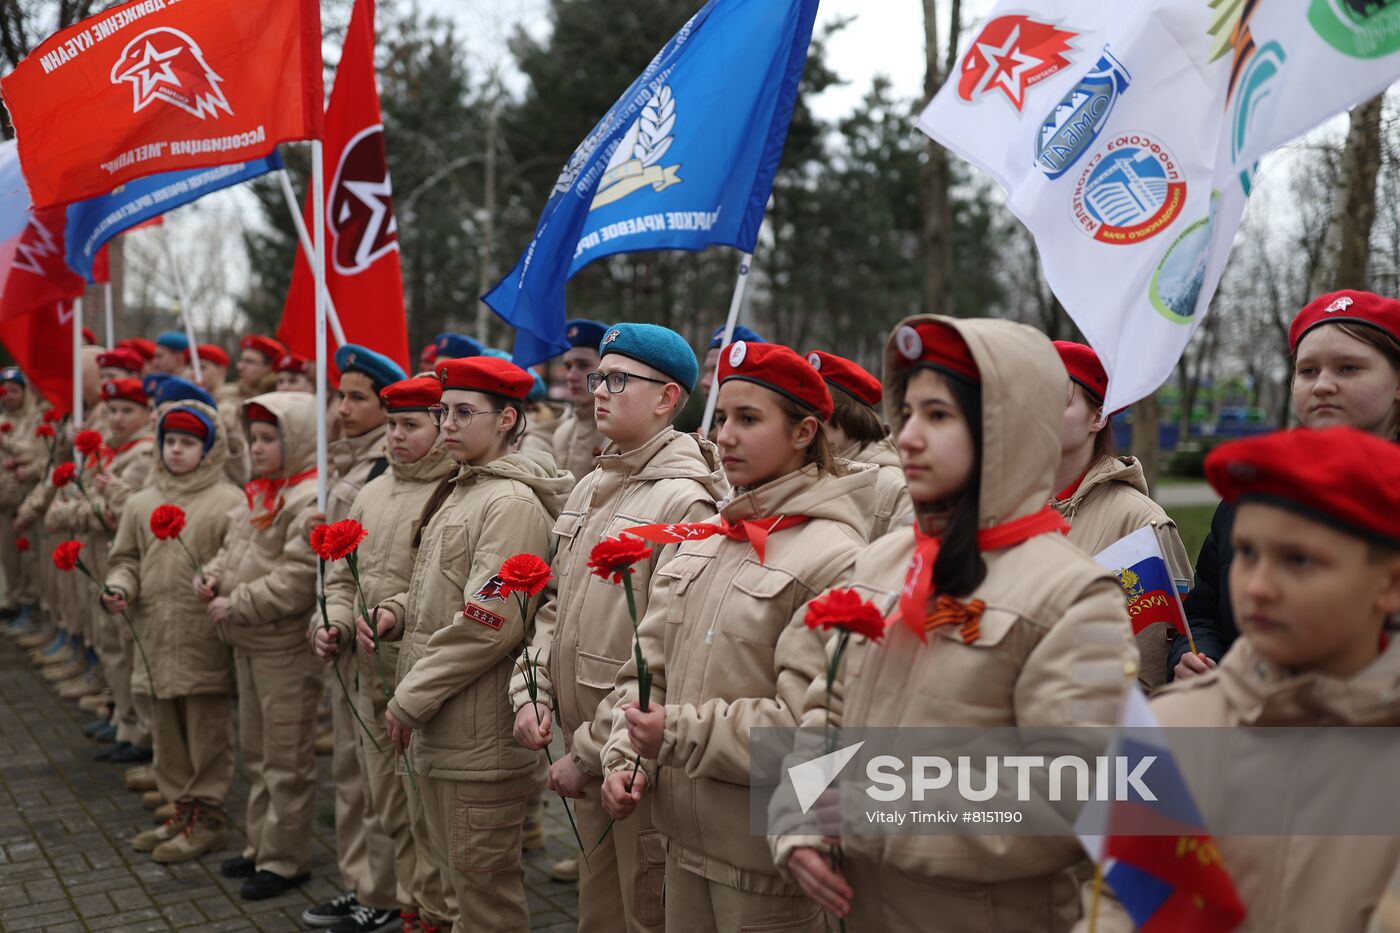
x=182, y=645
x=267, y=568
x=1291, y=884
x=893, y=507
x=20, y=447
x=716, y=623
x=461, y=636
x=1053, y=650
x=583, y=632
x=578, y=442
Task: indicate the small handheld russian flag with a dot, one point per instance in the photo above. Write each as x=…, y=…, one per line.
x=1137, y=561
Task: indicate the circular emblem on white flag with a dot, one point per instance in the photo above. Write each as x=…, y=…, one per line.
x=909, y=343
x=737, y=351
x=815, y=360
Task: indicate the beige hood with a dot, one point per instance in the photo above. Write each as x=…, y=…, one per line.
x=210, y=469
x=296, y=420
x=1261, y=693
x=1023, y=398
x=687, y=456
x=533, y=469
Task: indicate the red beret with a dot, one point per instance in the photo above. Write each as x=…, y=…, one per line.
x=128, y=390
x=292, y=363
x=411, y=394
x=89, y=337
x=778, y=368
x=485, y=374
x=428, y=355
x=122, y=358
x=847, y=376
x=265, y=345
x=1083, y=366
x=1340, y=476
x=256, y=412
x=933, y=344
x=212, y=353
x=1348, y=306
x=186, y=422
x=147, y=348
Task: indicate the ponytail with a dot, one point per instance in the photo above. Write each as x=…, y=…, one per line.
x=430, y=508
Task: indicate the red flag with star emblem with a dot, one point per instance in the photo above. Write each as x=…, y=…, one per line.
x=154, y=86
x=36, y=304
x=363, y=272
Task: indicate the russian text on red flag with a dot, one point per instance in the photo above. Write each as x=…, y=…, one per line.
x=363, y=271
x=158, y=85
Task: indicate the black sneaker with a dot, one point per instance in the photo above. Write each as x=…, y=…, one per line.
x=239, y=867
x=132, y=755
x=109, y=754
x=266, y=884
x=368, y=920
x=109, y=734
x=331, y=912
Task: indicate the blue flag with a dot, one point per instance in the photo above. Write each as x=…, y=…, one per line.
x=93, y=222
x=684, y=160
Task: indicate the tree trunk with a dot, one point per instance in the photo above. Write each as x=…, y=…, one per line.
x=486, y=246
x=1347, y=244
x=1147, y=415
x=934, y=181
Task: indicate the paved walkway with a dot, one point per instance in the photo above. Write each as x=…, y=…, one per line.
x=64, y=820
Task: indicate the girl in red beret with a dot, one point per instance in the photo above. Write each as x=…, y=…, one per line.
x=451, y=709
x=991, y=619
x=1345, y=351
x=723, y=652
x=1104, y=496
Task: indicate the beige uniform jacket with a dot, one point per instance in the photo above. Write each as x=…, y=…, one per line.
x=21, y=446
x=716, y=623
x=182, y=645
x=578, y=442
x=583, y=632
x=893, y=507
x=1292, y=884
x=461, y=635
x=1054, y=647
x=267, y=568
x=1112, y=502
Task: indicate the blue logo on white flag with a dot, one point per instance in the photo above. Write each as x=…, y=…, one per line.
x=1078, y=119
x=684, y=160
x=93, y=222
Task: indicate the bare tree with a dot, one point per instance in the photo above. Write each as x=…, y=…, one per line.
x=1347, y=244
x=936, y=176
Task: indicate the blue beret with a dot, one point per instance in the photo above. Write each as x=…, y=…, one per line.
x=740, y=333
x=210, y=429
x=539, y=391
x=382, y=371
x=12, y=374
x=174, y=340
x=581, y=332
x=175, y=389
x=656, y=346
x=151, y=383
x=497, y=354
x=456, y=346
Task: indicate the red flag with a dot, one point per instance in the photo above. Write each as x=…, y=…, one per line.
x=36, y=312
x=153, y=86
x=363, y=273
x=102, y=267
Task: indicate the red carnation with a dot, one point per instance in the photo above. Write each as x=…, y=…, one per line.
x=52, y=416
x=6, y=427
x=44, y=430
x=334, y=542
x=524, y=573
x=846, y=611
x=22, y=544
x=65, y=556
x=612, y=558
x=167, y=521
x=63, y=474
x=87, y=442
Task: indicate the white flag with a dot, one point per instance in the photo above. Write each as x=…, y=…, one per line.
x=1126, y=135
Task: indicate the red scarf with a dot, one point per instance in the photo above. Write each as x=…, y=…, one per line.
x=755, y=531
x=918, y=579
x=269, y=491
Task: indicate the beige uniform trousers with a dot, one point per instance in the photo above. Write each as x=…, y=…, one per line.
x=476, y=828
x=364, y=851
x=19, y=568
x=624, y=877
x=430, y=890
x=385, y=794
x=194, y=748
x=695, y=904
x=277, y=698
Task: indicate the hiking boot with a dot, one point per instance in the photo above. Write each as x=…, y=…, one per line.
x=368, y=920
x=331, y=912
x=203, y=833
x=65, y=670
x=265, y=885
x=163, y=812
x=563, y=870
x=42, y=634
x=139, y=779
x=151, y=838
x=89, y=684
x=152, y=799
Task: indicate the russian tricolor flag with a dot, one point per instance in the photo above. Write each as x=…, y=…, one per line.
x=1137, y=561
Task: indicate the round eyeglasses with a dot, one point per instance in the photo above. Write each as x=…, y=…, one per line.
x=617, y=381
x=458, y=414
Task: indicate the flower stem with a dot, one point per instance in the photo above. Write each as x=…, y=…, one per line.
x=335, y=665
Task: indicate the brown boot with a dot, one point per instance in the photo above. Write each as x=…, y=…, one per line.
x=152, y=838
x=89, y=684
x=152, y=799
x=164, y=812
x=64, y=670
x=204, y=833
x=36, y=639
x=140, y=779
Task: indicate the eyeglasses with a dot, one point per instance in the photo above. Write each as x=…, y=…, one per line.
x=617, y=381
x=458, y=414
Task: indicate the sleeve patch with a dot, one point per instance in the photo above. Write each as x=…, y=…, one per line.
x=490, y=590
x=484, y=616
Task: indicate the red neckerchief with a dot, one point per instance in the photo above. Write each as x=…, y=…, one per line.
x=143, y=439
x=753, y=530
x=1072, y=488
x=269, y=490
x=918, y=579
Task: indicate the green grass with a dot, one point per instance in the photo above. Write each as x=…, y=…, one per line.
x=1193, y=522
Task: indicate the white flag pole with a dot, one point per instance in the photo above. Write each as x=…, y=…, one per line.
x=107, y=307
x=184, y=303
x=290, y=194
x=745, y=261
x=318, y=271
x=77, y=359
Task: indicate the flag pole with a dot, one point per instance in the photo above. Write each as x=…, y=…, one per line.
x=737, y=302
x=318, y=272
x=107, y=299
x=291, y=196
x=77, y=318
x=184, y=303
